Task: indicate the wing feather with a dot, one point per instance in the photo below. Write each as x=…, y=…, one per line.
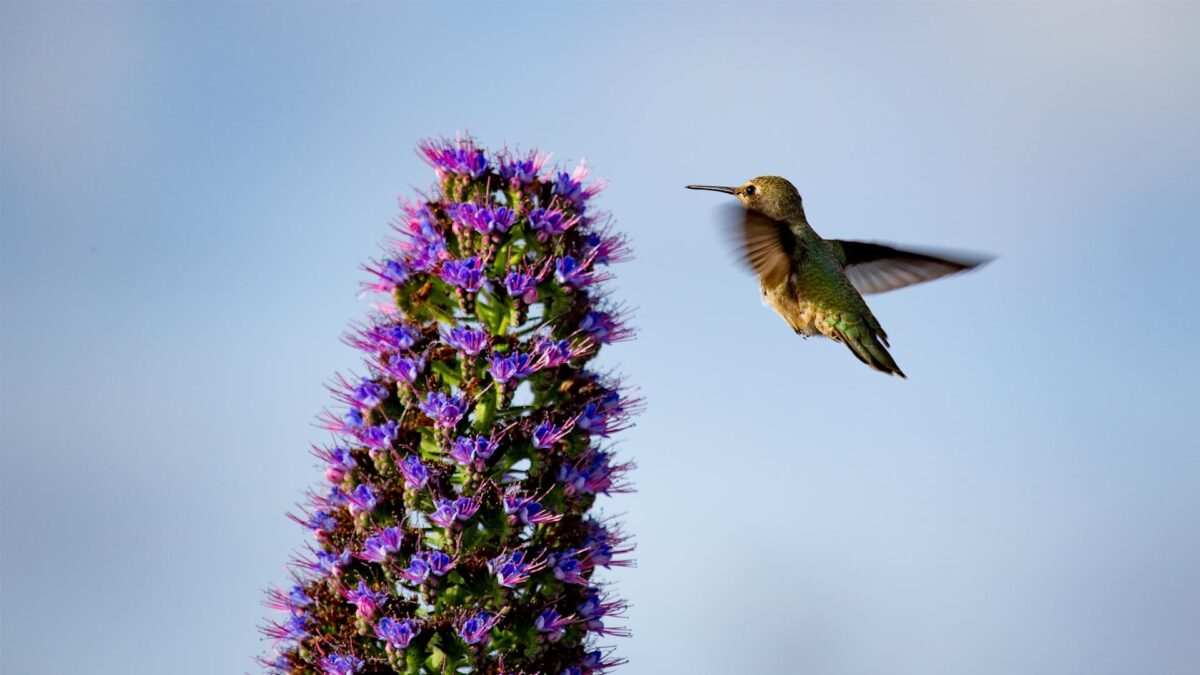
x=876, y=268
x=767, y=245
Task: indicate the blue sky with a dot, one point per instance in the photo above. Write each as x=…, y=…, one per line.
x=186, y=191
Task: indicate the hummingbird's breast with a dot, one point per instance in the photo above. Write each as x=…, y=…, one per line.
x=788, y=302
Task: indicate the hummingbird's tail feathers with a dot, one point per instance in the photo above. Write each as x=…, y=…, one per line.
x=867, y=346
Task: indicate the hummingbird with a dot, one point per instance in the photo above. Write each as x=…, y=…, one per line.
x=816, y=284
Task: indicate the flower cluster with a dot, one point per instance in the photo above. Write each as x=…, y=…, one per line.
x=455, y=529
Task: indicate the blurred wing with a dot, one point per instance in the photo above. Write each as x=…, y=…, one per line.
x=875, y=268
x=766, y=244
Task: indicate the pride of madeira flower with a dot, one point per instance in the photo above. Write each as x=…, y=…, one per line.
x=455, y=530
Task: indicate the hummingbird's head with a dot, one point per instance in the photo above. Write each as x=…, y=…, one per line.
x=771, y=196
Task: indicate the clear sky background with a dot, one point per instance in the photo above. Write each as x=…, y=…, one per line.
x=187, y=191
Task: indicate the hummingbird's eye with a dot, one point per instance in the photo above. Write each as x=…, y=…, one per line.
x=749, y=191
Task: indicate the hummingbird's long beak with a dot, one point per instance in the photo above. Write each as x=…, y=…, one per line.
x=714, y=188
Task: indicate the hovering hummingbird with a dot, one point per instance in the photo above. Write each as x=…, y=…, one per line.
x=817, y=284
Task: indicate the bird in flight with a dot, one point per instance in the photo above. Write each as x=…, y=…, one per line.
x=817, y=285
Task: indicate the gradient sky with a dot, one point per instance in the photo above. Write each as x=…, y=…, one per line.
x=186, y=192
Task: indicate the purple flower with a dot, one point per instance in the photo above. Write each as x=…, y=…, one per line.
x=294, y=629
x=380, y=437
x=475, y=629
x=603, y=544
x=365, y=600
x=361, y=499
x=369, y=393
x=550, y=222
x=454, y=157
x=597, y=661
x=439, y=563
x=554, y=353
x=598, y=418
x=514, y=366
x=397, y=634
x=465, y=274
x=604, y=328
x=512, y=570
x=567, y=568
x=380, y=547
x=550, y=622
x=280, y=665
x=387, y=337
x=527, y=510
x=443, y=409
x=294, y=601
x=404, y=368
x=522, y=170
x=469, y=215
x=500, y=219
x=353, y=419
x=422, y=246
x=547, y=434
x=417, y=571
x=482, y=219
x=389, y=275
x=446, y=513
x=466, y=507
x=593, y=610
x=330, y=564
x=320, y=522
x=571, y=272
x=473, y=451
x=570, y=186
x=521, y=285
x=341, y=664
x=414, y=472
x=606, y=249
x=340, y=462
x=465, y=340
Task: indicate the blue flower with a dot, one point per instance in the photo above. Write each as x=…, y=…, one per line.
x=380, y=547
x=414, y=472
x=439, y=563
x=445, y=514
x=341, y=664
x=512, y=570
x=417, y=571
x=366, y=600
x=570, y=272
x=514, y=366
x=340, y=462
x=443, y=409
x=547, y=434
x=397, y=634
x=473, y=452
x=475, y=629
x=465, y=274
x=522, y=171
x=380, y=437
x=361, y=499
x=331, y=564
x=454, y=157
x=466, y=507
x=521, y=285
x=550, y=222
x=370, y=393
x=603, y=328
x=404, y=368
x=554, y=353
x=551, y=623
x=466, y=340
